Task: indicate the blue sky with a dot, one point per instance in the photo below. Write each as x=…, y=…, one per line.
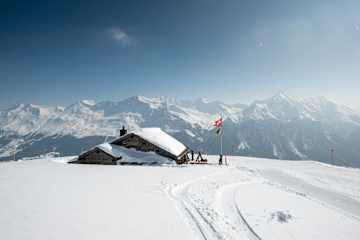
x=59, y=52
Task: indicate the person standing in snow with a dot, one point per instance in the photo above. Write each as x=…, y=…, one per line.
x=220, y=159
x=199, y=158
x=123, y=131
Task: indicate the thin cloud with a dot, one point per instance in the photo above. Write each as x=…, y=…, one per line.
x=120, y=36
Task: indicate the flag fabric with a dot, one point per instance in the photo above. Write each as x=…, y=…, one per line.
x=218, y=123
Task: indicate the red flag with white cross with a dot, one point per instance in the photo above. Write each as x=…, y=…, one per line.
x=218, y=123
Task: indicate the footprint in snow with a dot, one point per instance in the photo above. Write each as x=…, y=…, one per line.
x=281, y=216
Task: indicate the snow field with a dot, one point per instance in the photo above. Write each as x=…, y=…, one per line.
x=249, y=199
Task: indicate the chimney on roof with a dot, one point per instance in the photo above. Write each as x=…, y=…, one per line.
x=123, y=131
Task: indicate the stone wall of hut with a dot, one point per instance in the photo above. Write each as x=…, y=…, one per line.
x=97, y=156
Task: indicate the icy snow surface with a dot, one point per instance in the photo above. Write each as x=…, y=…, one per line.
x=249, y=199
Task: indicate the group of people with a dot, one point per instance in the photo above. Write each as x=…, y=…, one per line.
x=200, y=158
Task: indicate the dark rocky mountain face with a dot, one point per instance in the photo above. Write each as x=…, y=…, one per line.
x=279, y=127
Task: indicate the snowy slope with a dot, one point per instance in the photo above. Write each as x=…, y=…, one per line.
x=249, y=199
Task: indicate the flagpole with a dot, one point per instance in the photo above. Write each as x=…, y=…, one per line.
x=221, y=142
x=219, y=131
x=221, y=135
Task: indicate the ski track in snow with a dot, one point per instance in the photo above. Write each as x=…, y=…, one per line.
x=329, y=199
x=214, y=219
x=191, y=210
x=218, y=215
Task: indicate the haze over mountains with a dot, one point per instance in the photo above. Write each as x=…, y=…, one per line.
x=278, y=127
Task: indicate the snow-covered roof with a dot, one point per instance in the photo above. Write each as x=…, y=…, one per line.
x=111, y=149
x=161, y=139
x=131, y=155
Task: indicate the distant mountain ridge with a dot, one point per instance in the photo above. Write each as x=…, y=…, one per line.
x=278, y=127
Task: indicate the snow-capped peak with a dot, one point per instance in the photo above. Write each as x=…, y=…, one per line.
x=136, y=101
x=282, y=97
x=29, y=109
x=280, y=107
x=88, y=102
x=152, y=102
x=204, y=100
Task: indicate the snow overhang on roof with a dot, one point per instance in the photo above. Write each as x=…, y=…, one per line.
x=111, y=149
x=158, y=138
x=162, y=140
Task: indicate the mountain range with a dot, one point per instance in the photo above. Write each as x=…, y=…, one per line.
x=280, y=127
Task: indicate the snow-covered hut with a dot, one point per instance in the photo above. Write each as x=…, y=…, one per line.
x=146, y=145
